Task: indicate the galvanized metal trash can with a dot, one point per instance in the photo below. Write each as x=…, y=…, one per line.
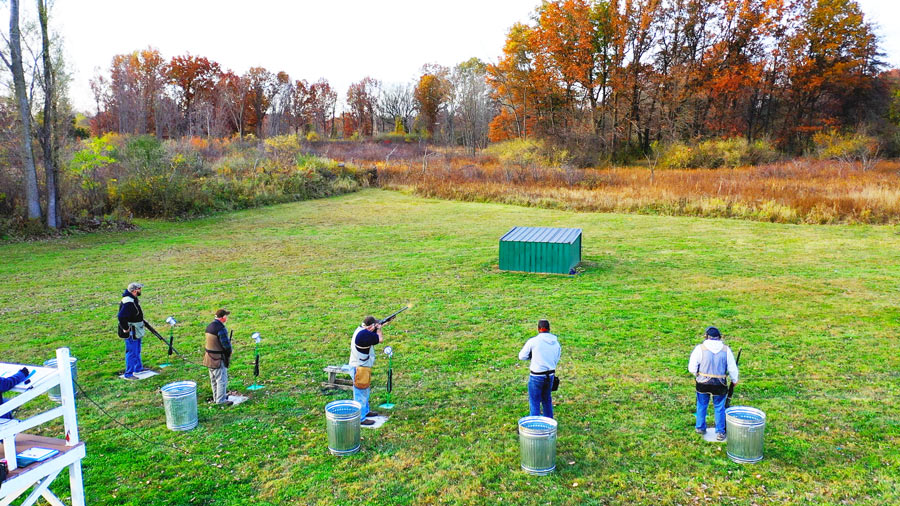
x=180, y=401
x=342, y=424
x=745, y=427
x=537, y=443
x=54, y=393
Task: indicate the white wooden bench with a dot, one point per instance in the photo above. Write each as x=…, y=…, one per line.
x=338, y=382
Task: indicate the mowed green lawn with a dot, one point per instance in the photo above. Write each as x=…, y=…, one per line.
x=814, y=308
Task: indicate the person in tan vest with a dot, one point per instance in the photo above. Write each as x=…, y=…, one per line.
x=218, y=356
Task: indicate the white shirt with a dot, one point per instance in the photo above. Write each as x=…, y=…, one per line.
x=543, y=350
x=715, y=346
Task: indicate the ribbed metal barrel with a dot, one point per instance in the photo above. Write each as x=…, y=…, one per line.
x=342, y=424
x=54, y=392
x=537, y=444
x=180, y=401
x=745, y=427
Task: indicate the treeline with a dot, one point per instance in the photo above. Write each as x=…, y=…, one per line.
x=192, y=96
x=613, y=76
x=675, y=84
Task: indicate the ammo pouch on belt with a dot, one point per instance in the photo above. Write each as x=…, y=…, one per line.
x=363, y=377
x=136, y=330
x=713, y=388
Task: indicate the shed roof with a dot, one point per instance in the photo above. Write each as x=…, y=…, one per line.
x=542, y=234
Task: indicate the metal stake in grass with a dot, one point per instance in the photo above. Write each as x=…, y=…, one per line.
x=390, y=379
x=172, y=322
x=255, y=386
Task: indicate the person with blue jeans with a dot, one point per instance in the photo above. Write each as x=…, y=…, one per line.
x=131, y=328
x=543, y=350
x=711, y=363
x=362, y=358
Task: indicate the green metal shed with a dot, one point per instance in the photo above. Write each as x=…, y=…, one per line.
x=540, y=249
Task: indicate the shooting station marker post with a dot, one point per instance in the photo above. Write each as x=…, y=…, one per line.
x=172, y=322
x=255, y=386
x=389, y=351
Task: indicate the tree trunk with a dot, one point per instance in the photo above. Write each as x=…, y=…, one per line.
x=15, y=49
x=48, y=129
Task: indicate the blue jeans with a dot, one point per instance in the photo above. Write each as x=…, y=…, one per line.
x=539, y=395
x=719, y=406
x=361, y=395
x=133, y=362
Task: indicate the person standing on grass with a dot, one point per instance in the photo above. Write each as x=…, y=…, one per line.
x=543, y=350
x=711, y=363
x=131, y=328
x=362, y=358
x=218, y=356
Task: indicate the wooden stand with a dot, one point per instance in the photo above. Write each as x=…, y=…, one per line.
x=334, y=381
x=40, y=475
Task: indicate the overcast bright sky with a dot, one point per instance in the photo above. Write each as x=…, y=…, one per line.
x=341, y=40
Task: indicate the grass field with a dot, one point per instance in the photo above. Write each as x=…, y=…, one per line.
x=814, y=309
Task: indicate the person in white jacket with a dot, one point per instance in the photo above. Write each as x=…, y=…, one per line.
x=711, y=363
x=543, y=350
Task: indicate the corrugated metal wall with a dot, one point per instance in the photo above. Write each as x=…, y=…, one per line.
x=540, y=249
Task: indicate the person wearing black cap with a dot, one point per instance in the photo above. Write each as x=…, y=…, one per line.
x=218, y=356
x=362, y=358
x=543, y=350
x=711, y=363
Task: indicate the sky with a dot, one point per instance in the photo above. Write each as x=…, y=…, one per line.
x=340, y=40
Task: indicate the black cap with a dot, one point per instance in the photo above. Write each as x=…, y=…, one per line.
x=544, y=324
x=713, y=333
x=369, y=320
x=222, y=312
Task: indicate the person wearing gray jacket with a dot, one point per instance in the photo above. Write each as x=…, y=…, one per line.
x=543, y=350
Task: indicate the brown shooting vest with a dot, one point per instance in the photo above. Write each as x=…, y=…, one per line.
x=214, y=352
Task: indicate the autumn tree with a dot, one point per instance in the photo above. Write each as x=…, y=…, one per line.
x=397, y=103
x=262, y=86
x=513, y=79
x=362, y=99
x=14, y=63
x=472, y=102
x=194, y=78
x=233, y=100
x=323, y=100
x=280, y=119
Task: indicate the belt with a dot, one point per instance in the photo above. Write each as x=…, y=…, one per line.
x=543, y=373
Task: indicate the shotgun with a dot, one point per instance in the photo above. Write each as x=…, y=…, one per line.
x=737, y=361
x=391, y=317
x=161, y=338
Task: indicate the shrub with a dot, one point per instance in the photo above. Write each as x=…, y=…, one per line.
x=834, y=145
x=312, y=136
x=676, y=156
x=715, y=153
x=519, y=152
x=144, y=155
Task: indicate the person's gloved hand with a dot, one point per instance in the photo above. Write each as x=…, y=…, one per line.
x=24, y=371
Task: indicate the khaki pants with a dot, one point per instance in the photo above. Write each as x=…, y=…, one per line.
x=219, y=379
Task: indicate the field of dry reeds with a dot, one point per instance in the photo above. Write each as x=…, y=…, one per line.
x=795, y=191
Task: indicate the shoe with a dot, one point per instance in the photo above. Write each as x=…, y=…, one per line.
x=700, y=431
x=371, y=414
x=367, y=422
x=720, y=436
x=130, y=377
x=226, y=404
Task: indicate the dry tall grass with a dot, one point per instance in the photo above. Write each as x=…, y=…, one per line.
x=799, y=191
